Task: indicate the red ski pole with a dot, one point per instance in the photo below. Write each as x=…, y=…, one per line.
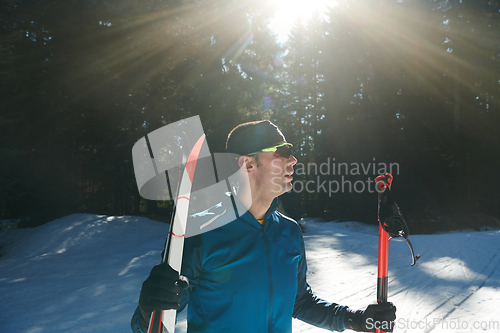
x=391, y=225
x=383, y=184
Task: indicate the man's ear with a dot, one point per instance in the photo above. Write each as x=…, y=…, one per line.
x=246, y=163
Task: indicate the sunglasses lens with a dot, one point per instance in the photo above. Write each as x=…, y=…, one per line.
x=284, y=151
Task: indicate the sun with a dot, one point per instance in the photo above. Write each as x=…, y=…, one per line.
x=288, y=11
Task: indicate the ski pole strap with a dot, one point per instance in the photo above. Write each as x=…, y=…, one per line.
x=389, y=215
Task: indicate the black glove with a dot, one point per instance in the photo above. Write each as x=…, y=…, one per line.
x=161, y=291
x=376, y=316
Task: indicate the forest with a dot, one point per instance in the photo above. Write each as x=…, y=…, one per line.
x=364, y=87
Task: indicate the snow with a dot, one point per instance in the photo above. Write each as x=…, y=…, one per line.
x=83, y=273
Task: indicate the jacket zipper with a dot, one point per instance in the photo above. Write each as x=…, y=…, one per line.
x=266, y=240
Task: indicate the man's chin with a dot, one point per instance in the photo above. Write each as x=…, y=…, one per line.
x=287, y=187
x=279, y=190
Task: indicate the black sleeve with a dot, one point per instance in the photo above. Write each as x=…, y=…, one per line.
x=138, y=321
x=312, y=309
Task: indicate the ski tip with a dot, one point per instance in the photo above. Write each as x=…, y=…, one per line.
x=193, y=157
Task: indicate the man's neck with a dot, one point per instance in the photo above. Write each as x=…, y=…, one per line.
x=259, y=208
x=257, y=202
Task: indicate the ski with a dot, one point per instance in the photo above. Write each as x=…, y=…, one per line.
x=164, y=321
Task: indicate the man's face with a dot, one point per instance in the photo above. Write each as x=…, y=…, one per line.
x=273, y=173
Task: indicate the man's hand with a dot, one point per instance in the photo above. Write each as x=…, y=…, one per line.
x=375, y=316
x=162, y=289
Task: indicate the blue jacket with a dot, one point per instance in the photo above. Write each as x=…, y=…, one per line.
x=248, y=277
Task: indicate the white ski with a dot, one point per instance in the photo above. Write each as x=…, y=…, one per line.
x=164, y=322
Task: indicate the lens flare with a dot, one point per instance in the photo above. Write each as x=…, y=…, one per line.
x=278, y=59
x=267, y=103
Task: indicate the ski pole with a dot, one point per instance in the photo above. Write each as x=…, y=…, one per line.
x=391, y=225
x=383, y=183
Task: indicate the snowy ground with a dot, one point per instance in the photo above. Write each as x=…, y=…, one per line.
x=83, y=273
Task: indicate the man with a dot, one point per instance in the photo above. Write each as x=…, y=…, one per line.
x=250, y=274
